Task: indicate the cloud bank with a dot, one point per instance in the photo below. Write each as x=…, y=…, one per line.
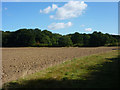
x=70, y=10
x=56, y=26
x=49, y=9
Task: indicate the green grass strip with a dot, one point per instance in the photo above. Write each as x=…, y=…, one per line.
x=94, y=71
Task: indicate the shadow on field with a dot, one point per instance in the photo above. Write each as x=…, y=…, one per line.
x=102, y=76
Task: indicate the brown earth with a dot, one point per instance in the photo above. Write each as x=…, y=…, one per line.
x=19, y=62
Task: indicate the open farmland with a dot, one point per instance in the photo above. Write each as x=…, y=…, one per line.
x=19, y=62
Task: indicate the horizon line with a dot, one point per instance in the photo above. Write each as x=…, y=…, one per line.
x=61, y=34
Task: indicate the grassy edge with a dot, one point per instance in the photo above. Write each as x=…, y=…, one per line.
x=74, y=69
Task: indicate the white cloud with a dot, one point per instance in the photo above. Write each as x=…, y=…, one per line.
x=70, y=10
x=55, y=26
x=49, y=9
x=88, y=29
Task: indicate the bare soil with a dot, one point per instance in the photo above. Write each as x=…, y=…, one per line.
x=19, y=62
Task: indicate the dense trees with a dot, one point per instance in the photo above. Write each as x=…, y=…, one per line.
x=36, y=37
x=97, y=39
x=77, y=39
x=24, y=37
x=65, y=41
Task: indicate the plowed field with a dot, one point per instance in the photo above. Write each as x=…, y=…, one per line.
x=19, y=62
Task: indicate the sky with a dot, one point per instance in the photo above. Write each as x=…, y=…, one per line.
x=58, y=0
x=61, y=17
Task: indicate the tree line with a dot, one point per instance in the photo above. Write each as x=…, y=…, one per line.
x=45, y=38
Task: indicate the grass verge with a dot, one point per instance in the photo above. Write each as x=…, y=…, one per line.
x=95, y=71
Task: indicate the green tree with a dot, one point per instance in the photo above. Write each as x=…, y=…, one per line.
x=5, y=38
x=36, y=37
x=65, y=41
x=24, y=37
x=54, y=39
x=98, y=39
x=45, y=39
x=77, y=39
x=86, y=39
x=48, y=33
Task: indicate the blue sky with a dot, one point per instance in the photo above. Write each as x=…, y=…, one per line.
x=93, y=16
